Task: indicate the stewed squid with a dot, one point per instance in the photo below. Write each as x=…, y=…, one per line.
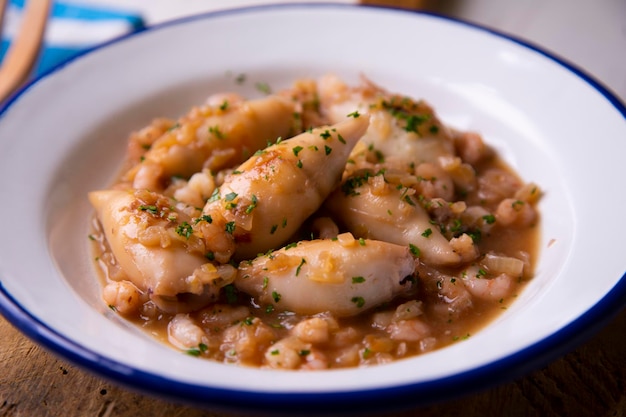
x=324, y=226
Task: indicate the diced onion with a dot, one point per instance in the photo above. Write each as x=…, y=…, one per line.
x=504, y=265
x=346, y=239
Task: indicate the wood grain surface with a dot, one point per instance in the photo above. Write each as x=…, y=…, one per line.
x=589, y=381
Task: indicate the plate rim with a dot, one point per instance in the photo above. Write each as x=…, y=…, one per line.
x=403, y=395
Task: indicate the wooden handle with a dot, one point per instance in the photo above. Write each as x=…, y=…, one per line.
x=22, y=54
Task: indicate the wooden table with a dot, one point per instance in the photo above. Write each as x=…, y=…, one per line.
x=590, y=381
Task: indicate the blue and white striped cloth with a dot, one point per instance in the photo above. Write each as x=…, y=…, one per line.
x=72, y=28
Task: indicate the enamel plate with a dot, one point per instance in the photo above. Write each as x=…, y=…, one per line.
x=65, y=134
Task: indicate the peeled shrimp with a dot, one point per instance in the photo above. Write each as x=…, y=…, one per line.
x=123, y=296
x=486, y=287
x=212, y=137
x=268, y=197
x=183, y=333
x=345, y=276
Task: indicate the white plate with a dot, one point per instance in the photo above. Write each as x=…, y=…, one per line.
x=65, y=134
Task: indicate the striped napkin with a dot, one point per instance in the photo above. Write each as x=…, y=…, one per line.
x=72, y=28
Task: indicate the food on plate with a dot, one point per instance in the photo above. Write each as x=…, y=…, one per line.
x=324, y=226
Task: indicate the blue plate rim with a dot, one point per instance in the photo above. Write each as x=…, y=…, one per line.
x=370, y=400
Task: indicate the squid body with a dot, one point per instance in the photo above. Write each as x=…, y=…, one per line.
x=343, y=276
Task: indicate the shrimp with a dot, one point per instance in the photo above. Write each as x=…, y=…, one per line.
x=485, y=287
x=313, y=330
x=244, y=343
x=373, y=208
x=212, y=137
x=123, y=296
x=288, y=353
x=410, y=330
x=267, y=198
x=515, y=213
x=157, y=249
x=345, y=276
x=183, y=333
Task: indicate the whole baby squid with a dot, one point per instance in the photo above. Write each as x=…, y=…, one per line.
x=154, y=243
x=403, y=132
x=268, y=197
x=212, y=137
x=373, y=208
x=344, y=276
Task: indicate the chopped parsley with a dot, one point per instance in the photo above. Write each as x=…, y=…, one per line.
x=215, y=131
x=204, y=218
x=231, y=294
x=489, y=218
x=252, y=205
x=214, y=196
x=264, y=88
x=403, y=110
x=517, y=205
x=413, y=121
x=193, y=352
x=230, y=196
x=149, y=208
x=184, y=229
x=358, y=280
x=350, y=185
x=296, y=150
x=358, y=301
x=174, y=126
x=291, y=245
x=302, y=262
x=366, y=353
